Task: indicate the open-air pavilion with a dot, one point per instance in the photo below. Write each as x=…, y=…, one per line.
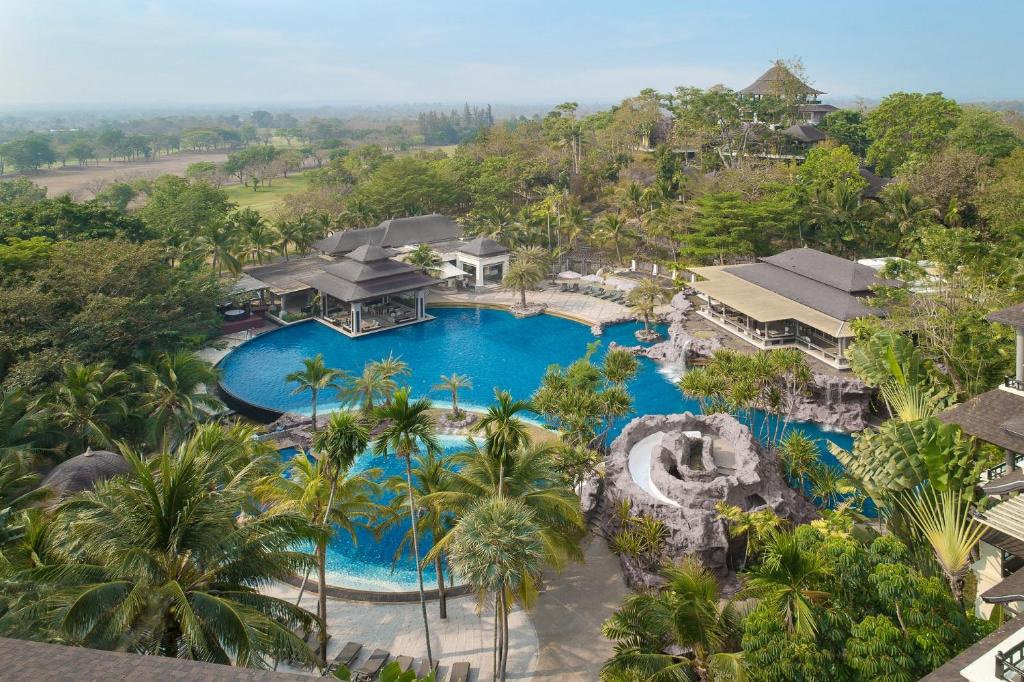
x=799, y=298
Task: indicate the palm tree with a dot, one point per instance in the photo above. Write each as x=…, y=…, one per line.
x=315, y=377
x=221, y=243
x=498, y=223
x=497, y=549
x=688, y=614
x=644, y=297
x=612, y=229
x=945, y=520
x=391, y=366
x=171, y=394
x=787, y=577
x=324, y=493
x=432, y=473
x=86, y=405
x=619, y=366
x=161, y=564
x=258, y=237
x=454, y=383
x=522, y=275
x=288, y=232
x=20, y=427
x=504, y=431
x=367, y=388
x=423, y=256
x=403, y=427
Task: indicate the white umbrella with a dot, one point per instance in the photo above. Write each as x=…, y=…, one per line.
x=591, y=278
x=569, y=274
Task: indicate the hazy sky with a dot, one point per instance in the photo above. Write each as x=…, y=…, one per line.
x=303, y=52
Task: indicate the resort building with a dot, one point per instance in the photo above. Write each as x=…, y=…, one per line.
x=358, y=281
x=800, y=298
x=997, y=418
x=778, y=81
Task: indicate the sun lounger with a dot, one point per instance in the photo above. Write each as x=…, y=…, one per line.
x=460, y=673
x=424, y=669
x=404, y=663
x=367, y=671
x=348, y=654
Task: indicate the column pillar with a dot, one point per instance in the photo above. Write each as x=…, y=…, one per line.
x=284, y=299
x=357, y=309
x=1020, y=355
x=479, y=273
x=421, y=304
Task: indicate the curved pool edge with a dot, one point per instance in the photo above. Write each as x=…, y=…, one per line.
x=379, y=597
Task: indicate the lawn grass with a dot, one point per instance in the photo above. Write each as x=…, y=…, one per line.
x=267, y=199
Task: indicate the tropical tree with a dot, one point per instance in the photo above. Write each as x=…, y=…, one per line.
x=390, y=367
x=87, y=405
x=945, y=520
x=320, y=490
x=522, y=275
x=644, y=297
x=173, y=393
x=496, y=548
x=504, y=431
x=288, y=232
x=687, y=614
x=367, y=388
x=160, y=563
x=432, y=473
x=423, y=256
x=787, y=578
x=403, y=426
x=219, y=239
x=454, y=383
x=619, y=366
x=20, y=427
x=315, y=377
x=613, y=230
x=258, y=238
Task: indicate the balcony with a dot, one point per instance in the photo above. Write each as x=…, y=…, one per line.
x=1010, y=664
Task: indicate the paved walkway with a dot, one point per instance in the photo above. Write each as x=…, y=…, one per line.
x=569, y=614
x=398, y=628
x=588, y=309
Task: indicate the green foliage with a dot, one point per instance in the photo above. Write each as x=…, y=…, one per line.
x=829, y=166
x=847, y=127
x=641, y=538
x=983, y=132
x=407, y=186
x=904, y=124
x=178, y=207
x=62, y=219
x=101, y=300
x=29, y=152
x=19, y=256
x=20, y=191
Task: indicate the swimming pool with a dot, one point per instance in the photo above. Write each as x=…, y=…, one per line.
x=491, y=346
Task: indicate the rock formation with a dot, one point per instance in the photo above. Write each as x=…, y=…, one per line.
x=696, y=462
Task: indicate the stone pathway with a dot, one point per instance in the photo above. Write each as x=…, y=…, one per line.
x=398, y=628
x=569, y=614
x=580, y=306
x=222, y=345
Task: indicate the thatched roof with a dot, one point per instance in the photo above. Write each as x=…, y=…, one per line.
x=84, y=471
x=777, y=81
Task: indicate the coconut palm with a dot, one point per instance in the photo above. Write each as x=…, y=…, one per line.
x=423, y=256
x=220, y=241
x=432, y=472
x=390, y=367
x=454, y=383
x=945, y=520
x=288, y=232
x=497, y=223
x=161, y=564
x=688, y=615
x=86, y=405
x=172, y=393
x=20, y=426
x=504, y=431
x=258, y=238
x=613, y=230
x=496, y=548
x=318, y=490
x=404, y=426
x=315, y=377
x=787, y=578
x=522, y=275
x=367, y=388
x=644, y=297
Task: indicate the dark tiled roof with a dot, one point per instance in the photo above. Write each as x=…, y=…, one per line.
x=773, y=82
x=824, y=108
x=40, y=662
x=1009, y=590
x=987, y=416
x=876, y=183
x=368, y=272
x=826, y=283
x=84, y=471
x=836, y=272
x=421, y=229
x=482, y=246
x=804, y=133
x=1013, y=316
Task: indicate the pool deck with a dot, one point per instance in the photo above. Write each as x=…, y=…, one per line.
x=580, y=307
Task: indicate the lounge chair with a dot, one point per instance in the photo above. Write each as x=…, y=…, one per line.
x=368, y=670
x=404, y=663
x=460, y=672
x=424, y=668
x=575, y=288
x=347, y=655
x=563, y=288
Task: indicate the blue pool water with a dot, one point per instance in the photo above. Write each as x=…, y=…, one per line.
x=491, y=346
x=365, y=562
